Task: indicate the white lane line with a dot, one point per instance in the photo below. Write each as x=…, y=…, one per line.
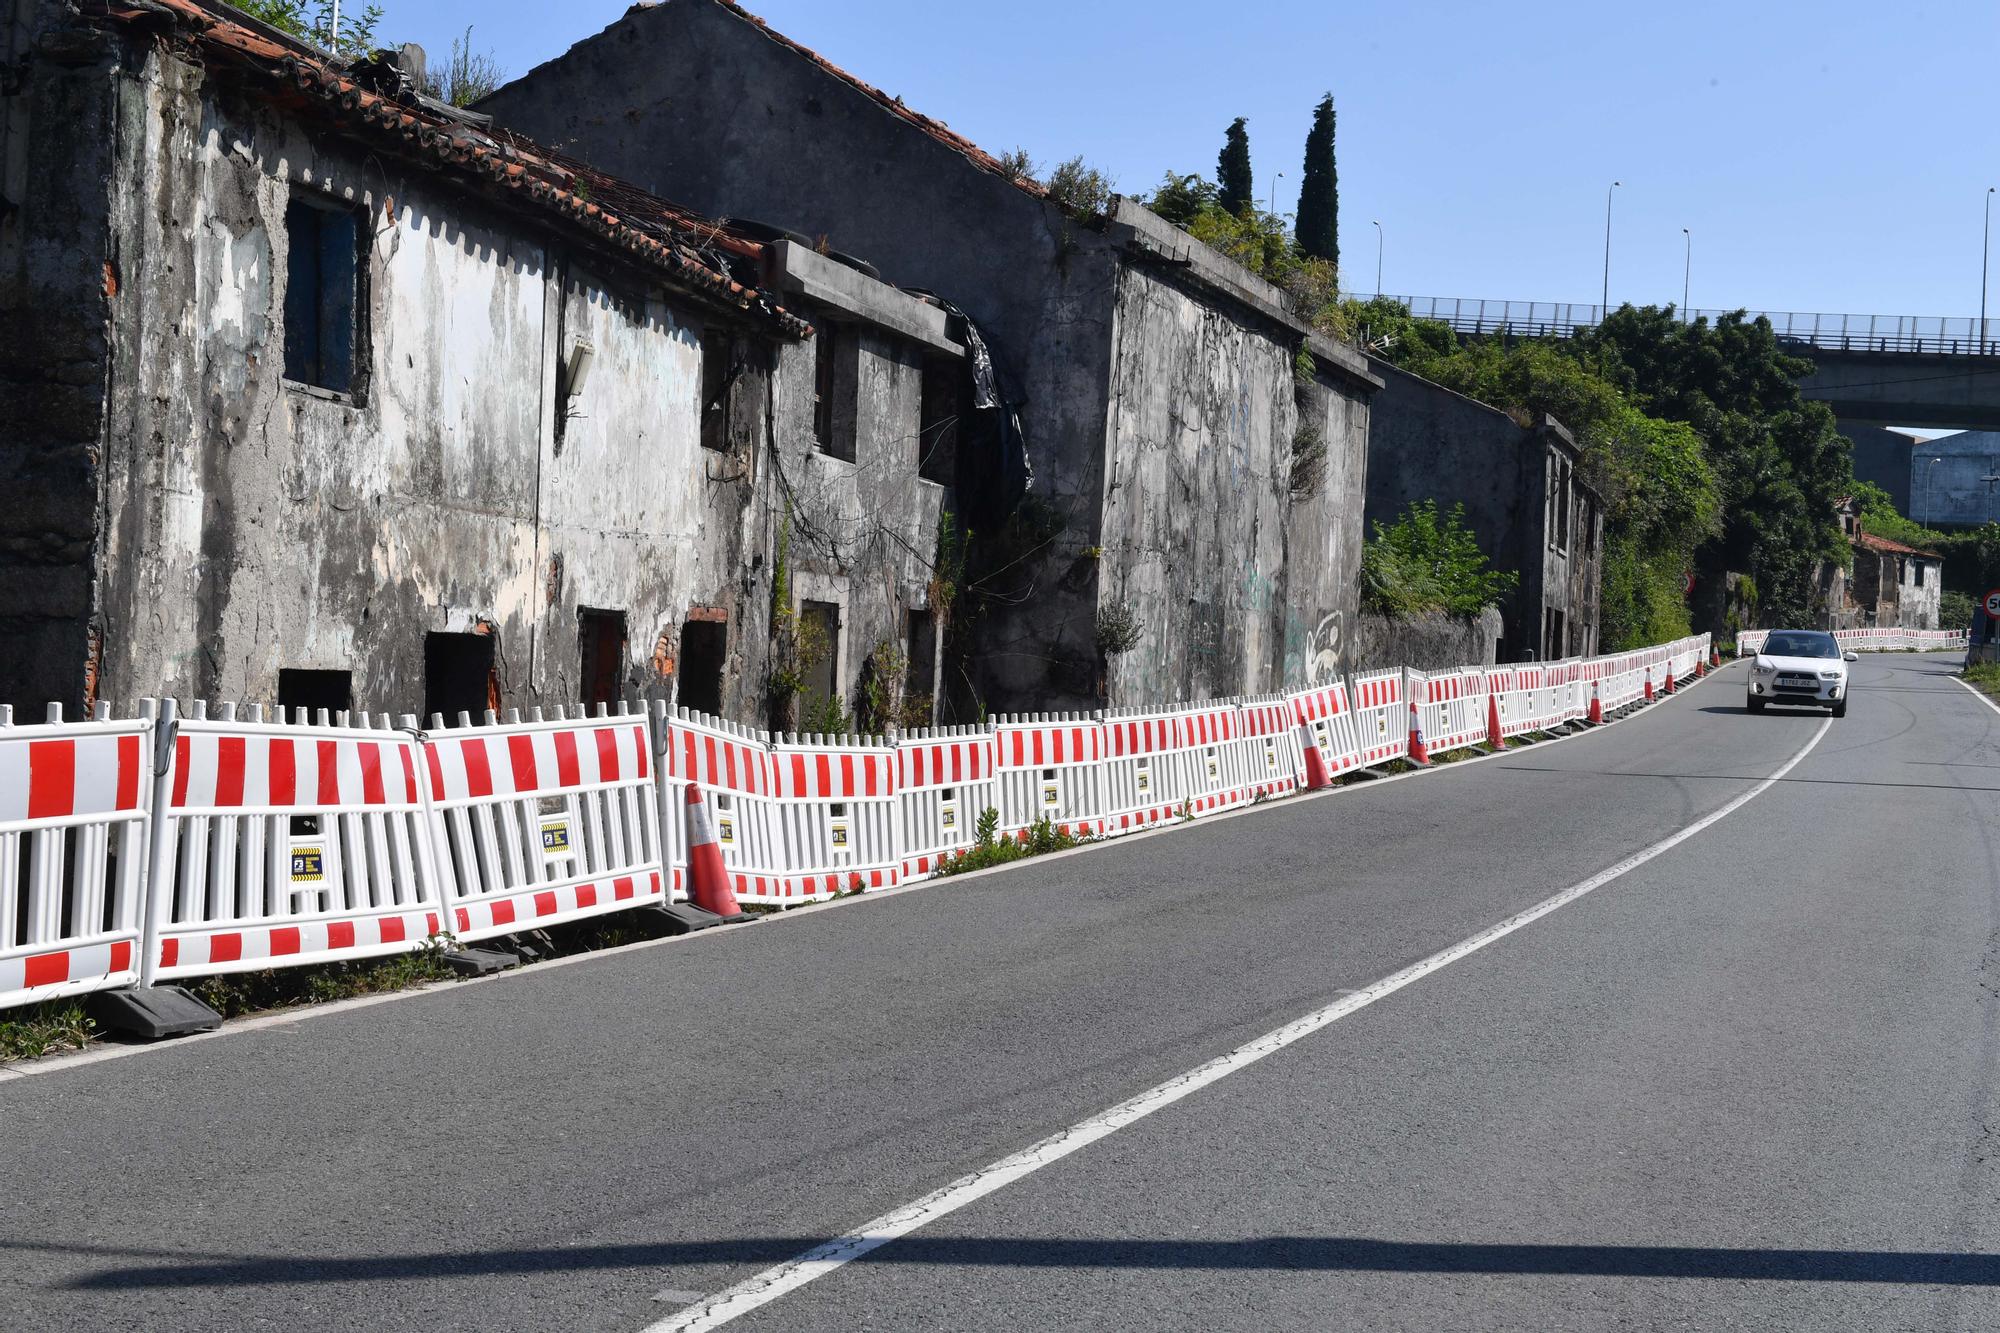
x=1974, y=691
x=769, y=1285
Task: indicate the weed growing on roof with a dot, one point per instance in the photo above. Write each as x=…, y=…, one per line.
x=44, y=1029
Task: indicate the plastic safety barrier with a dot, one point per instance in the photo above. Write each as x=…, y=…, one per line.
x=731, y=764
x=1451, y=705
x=1328, y=722
x=1051, y=766
x=1381, y=716
x=945, y=779
x=836, y=815
x=283, y=844
x=541, y=822
x=1146, y=777
x=74, y=805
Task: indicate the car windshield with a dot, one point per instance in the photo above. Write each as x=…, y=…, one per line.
x=1801, y=645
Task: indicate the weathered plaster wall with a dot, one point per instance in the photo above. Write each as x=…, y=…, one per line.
x=1429, y=443
x=255, y=525
x=696, y=102
x=863, y=532
x=57, y=274
x=1227, y=573
x=1427, y=643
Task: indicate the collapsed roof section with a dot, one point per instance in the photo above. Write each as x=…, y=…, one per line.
x=375, y=102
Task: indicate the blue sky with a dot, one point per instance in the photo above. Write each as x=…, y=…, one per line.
x=1827, y=156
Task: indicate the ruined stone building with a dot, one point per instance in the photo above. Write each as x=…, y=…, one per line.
x=1891, y=585
x=335, y=395
x=1524, y=501
x=1193, y=526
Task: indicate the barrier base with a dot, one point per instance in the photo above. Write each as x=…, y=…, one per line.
x=152, y=1013
x=530, y=946
x=479, y=962
x=682, y=918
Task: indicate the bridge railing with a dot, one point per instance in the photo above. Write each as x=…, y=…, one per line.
x=1943, y=335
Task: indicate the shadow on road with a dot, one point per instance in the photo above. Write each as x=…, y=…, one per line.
x=1306, y=1253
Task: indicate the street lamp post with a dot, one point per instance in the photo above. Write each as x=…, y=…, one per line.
x=1273, y=209
x=1604, y=309
x=1985, y=249
x=1378, y=258
x=1989, y=480
x=1930, y=489
x=1687, y=271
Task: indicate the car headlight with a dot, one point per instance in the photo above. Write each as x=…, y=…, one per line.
x=1831, y=675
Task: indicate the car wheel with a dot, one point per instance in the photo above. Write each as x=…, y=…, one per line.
x=1839, y=709
x=1756, y=705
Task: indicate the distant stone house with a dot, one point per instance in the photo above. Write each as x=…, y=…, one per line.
x=1194, y=522
x=339, y=396
x=1525, y=501
x=1889, y=585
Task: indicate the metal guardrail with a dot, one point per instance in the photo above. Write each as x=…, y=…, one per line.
x=1940, y=335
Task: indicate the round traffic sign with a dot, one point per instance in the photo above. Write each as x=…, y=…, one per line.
x=1992, y=604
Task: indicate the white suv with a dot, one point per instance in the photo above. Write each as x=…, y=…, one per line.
x=1800, y=666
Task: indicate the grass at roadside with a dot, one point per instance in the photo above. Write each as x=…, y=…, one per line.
x=44, y=1029
x=1984, y=677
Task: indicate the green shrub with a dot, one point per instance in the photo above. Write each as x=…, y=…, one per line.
x=1424, y=565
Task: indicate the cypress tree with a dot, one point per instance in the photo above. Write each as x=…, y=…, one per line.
x=1232, y=168
x=1318, y=222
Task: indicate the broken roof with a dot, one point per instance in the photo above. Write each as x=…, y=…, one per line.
x=692, y=250
x=1882, y=545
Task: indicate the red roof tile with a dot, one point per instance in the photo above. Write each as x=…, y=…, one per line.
x=1870, y=541
x=610, y=210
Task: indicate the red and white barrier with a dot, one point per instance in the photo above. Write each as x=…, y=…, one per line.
x=1146, y=780
x=1451, y=706
x=285, y=844
x=74, y=804
x=541, y=822
x=732, y=765
x=1051, y=766
x=836, y=815
x=1381, y=716
x=1326, y=723
x=945, y=779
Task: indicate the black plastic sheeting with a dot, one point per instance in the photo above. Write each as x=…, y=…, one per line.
x=993, y=471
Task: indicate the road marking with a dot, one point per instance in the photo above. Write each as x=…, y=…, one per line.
x=1974, y=691
x=767, y=1286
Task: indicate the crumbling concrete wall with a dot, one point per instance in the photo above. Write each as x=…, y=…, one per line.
x=1427, y=643
x=698, y=102
x=1234, y=583
x=253, y=524
x=58, y=275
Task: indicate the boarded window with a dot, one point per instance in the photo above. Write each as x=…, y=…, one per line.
x=315, y=690
x=717, y=372
x=459, y=675
x=938, y=434
x=704, y=649
x=322, y=295
x=1919, y=573
x=600, y=637
x=819, y=625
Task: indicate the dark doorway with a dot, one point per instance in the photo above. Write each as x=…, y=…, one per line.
x=600, y=637
x=314, y=690
x=819, y=624
x=459, y=675
x=919, y=686
x=704, y=647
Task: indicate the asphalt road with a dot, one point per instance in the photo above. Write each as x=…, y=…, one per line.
x=1747, y=1084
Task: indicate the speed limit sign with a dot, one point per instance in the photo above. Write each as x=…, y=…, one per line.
x=1992, y=604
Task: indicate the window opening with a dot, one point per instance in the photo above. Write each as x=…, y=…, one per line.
x=601, y=655
x=704, y=647
x=322, y=295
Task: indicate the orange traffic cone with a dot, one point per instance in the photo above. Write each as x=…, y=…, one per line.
x=1714, y=657
x=1419, y=752
x=1669, y=673
x=1700, y=666
x=1596, y=706
x=1649, y=684
x=1493, y=736
x=1316, y=777
x=708, y=878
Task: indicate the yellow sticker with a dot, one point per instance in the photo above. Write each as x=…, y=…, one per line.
x=555, y=838
x=308, y=865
